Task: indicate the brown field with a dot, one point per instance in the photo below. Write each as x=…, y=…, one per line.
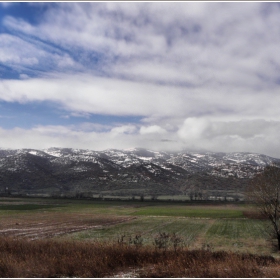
x=45, y=225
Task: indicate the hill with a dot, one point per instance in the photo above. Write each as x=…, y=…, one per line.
x=132, y=172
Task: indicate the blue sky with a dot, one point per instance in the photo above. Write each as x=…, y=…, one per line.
x=158, y=75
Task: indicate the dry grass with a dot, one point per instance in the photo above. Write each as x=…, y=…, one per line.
x=206, y=264
x=49, y=258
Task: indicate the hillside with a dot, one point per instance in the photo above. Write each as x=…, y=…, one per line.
x=132, y=172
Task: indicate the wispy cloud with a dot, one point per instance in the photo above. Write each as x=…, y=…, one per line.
x=83, y=94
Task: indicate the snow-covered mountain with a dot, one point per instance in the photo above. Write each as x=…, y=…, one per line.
x=131, y=171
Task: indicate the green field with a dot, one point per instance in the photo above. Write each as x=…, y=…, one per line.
x=216, y=226
x=184, y=211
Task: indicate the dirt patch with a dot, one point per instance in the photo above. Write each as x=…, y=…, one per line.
x=254, y=215
x=47, y=225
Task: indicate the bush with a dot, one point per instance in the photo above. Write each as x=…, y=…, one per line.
x=165, y=240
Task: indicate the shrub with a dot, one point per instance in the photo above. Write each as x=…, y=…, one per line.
x=165, y=240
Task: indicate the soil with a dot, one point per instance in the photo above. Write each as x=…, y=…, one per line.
x=48, y=225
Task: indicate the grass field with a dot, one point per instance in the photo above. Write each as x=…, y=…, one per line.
x=217, y=226
x=83, y=238
x=184, y=211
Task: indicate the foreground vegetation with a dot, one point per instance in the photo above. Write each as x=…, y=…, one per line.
x=81, y=238
x=49, y=258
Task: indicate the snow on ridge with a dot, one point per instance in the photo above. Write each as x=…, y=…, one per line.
x=33, y=152
x=146, y=158
x=53, y=153
x=198, y=155
x=186, y=160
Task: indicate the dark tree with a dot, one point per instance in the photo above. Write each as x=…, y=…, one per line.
x=264, y=191
x=154, y=197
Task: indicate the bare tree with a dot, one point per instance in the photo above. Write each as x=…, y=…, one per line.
x=264, y=191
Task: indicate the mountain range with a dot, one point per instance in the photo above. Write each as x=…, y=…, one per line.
x=130, y=172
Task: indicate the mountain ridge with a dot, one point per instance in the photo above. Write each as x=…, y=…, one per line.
x=135, y=171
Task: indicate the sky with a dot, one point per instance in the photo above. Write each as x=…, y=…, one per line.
x=157, y=75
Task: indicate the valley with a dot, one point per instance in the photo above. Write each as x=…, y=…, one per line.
x=132, y=213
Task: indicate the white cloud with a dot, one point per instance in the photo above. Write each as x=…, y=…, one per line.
x=85, y=94
x=9, y=51
x=90, y=94
x=243, y=136
x=125, y=129
x=58, y=136
x=257, y=136
x=193, y=129
x=151, y=129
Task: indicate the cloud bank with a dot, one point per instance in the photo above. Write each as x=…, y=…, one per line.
x=196, y=75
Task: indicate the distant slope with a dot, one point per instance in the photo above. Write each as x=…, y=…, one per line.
x=126, y=172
